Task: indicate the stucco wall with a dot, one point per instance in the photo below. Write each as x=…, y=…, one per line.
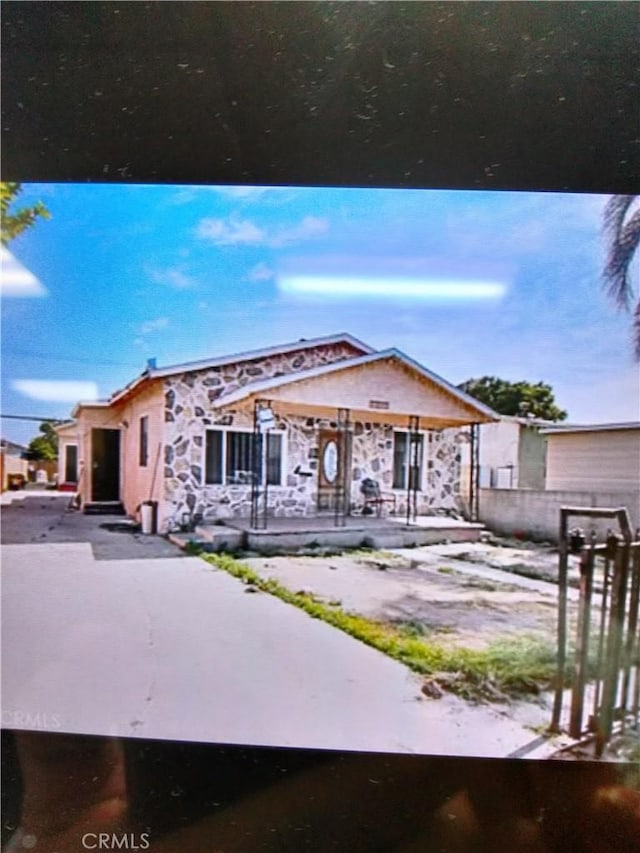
x=67, y=435
x=510, y=446
x=532, y=454
x=100, y=417
x=536, y=513
x=138, y=482
x=11, y=465
x=388, y=381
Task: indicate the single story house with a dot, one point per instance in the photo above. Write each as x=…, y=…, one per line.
x=297, y=427
x=595, y=457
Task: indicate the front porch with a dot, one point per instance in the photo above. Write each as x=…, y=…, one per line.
x=291, y=534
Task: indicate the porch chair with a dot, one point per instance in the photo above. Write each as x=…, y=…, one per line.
x=374, y=497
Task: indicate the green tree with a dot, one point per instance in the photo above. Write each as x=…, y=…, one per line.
x=622, y=235
x=44, y=446
x=14, y=222
x=524, y=399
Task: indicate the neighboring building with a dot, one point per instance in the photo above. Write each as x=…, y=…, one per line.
x=67, y=456
x=511, y=455
x=336, y=412
x=598, y=457
x=596, y=465
x=12, y=463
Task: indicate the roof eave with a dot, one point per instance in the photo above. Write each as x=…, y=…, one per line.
x=265, y=352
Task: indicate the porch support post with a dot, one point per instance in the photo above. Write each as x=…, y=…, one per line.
x=342, y=474
x=255, y=467
x=264, y=470
x=413, y=467
x=474, y=472
x=258, y=517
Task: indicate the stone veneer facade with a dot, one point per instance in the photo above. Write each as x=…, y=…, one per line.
x=188, y=413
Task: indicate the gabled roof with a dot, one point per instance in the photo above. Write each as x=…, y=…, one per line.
x=570, y=428
x=89, y=404
x=249, y=355
x=67, y=425
x=258, y=388
x=10, y=447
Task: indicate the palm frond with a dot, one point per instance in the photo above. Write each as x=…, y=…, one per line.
x=622, y=240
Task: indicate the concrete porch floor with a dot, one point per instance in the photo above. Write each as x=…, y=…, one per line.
x=321, y=531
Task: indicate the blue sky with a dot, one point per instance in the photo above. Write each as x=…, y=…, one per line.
x=468, y=283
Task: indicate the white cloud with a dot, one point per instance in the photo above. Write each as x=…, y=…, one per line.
x=244, y=193
x=234, y=232
x=231, y=232
x=16, y=279
x=173, y=277
x=260, y=272
x=150, y=326
x=56, y=391
x=309, y=227
x=240, y=194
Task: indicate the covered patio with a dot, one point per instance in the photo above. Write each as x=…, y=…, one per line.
x=387, y=391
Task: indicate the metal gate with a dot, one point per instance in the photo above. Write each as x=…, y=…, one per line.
x=601, y=661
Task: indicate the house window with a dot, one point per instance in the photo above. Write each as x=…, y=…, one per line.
x=229, y=458
x=403, y=466
x=144, y=441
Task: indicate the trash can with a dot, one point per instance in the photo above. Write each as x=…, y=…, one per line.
x=149, y=517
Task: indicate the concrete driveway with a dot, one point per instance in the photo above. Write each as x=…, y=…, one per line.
x=169, y=647
x=46, y=518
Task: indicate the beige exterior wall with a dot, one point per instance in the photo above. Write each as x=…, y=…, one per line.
x=90, y=417
x=137, y=482
x=389, y=383
x=67, y=435
x=607, y=460
x=11, y=465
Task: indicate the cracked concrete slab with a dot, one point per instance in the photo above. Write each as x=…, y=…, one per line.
x=172, y=648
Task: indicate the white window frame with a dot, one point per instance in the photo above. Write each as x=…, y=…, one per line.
x=423, y=472
x=225, y=430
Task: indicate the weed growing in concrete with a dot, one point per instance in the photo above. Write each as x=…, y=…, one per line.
x=503, y=670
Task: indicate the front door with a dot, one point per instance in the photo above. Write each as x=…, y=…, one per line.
x=334, y=469
x=105, y=465
x=71, y=463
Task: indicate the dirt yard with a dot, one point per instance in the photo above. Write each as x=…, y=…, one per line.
x=465, y=595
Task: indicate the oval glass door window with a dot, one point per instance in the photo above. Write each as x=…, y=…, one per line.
x=330, y=461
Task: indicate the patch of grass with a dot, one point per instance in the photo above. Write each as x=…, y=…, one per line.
x=445, y=570
x=369, y=554
x=193, y=548
x=412, y=628
x=482, y=585
x=504, y=669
